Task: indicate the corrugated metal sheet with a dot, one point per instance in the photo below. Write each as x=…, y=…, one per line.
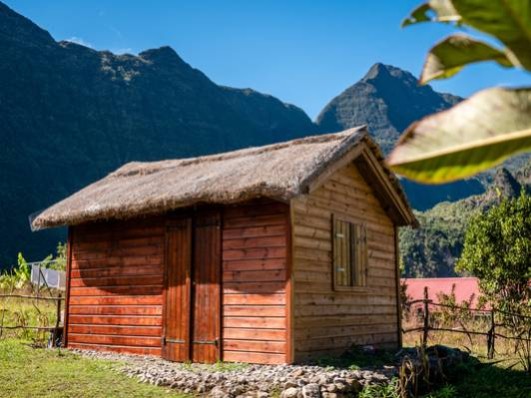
x=465, y=288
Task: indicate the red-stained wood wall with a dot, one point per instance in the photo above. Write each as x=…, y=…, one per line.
x=114, y=296
x=116, y=284
x=255, y=322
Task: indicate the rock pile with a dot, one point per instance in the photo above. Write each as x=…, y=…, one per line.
x=242, y=380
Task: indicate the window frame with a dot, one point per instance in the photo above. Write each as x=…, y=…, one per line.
x=358, y=255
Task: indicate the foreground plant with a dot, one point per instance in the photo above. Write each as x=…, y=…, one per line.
x=391, y=390
x=17, y=277
x=492, y=125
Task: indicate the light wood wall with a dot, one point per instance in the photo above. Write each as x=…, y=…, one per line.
x=328, y=321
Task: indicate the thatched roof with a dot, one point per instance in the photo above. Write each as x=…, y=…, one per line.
x=279, y=171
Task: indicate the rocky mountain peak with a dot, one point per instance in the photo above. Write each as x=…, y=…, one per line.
x=381, y=72
x=162, y=55
x=388, y=99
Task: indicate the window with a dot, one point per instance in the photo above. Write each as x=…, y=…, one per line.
x=350, y=254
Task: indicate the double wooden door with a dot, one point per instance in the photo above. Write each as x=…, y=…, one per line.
x=192, y=322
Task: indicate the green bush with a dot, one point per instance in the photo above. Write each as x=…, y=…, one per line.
x=497, y=250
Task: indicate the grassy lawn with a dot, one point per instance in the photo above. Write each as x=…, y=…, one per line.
x=485, y=380
x=29, y=372
x=33, y=372
x=482, y=378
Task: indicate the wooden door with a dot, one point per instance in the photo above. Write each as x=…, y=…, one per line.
x=206, y=318
x=192, y=312
x=176, y=334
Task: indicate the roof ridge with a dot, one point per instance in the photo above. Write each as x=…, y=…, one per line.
x=145, y=168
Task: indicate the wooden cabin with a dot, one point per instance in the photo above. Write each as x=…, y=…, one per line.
x=275, y=254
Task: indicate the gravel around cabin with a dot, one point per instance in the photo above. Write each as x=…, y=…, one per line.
x=247, y=380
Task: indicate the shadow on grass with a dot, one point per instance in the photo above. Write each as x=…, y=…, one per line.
x=474, y=378
x=477, y=379
x=358, y=358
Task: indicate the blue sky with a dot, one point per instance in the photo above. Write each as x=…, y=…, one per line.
x=303, y=52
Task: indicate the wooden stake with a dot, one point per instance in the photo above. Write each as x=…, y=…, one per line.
x=426, y=319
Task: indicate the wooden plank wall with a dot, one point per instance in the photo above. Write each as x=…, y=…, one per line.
x=115, y=292
x=327, y=321
x=254, y=258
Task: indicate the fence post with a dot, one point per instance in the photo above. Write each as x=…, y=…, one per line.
x=426, y=319
x=57, y=321
x=491, y=336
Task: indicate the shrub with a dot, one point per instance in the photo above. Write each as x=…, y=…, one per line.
x=498, y=251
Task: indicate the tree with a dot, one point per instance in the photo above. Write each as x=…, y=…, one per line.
x=497, y=250
x=492, y=125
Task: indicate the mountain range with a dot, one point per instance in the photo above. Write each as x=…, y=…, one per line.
x=70, y=114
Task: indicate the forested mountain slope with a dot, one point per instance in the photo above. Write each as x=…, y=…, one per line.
x=70, y=114
x=433, y=249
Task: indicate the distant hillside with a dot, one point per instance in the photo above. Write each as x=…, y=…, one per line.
x=433, y=249
x=69, y=115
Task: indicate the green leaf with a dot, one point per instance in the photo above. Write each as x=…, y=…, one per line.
x=434, y=10
x=473, y=136
x=507, y=20
x=418, y=15
x=449, y=56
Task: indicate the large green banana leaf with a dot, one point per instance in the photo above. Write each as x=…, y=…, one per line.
x=433, y=10
x=449, y=56
x=473, y=136
x=509, y=21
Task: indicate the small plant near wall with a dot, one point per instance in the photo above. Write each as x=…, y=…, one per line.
x=57, y=262
x=391, y=390
x=17, y=277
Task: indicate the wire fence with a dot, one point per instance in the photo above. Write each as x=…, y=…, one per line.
x=9, y=307
x=37, y=306
x=427, y=311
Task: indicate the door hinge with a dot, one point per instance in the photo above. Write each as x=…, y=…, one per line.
x=214, y=342
x=166, y=340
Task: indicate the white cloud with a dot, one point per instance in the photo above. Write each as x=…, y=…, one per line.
x=80, y=41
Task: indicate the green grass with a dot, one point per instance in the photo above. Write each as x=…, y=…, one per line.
x=492, y=379
x=34, y=372
x=29, y=372
x=25, y=312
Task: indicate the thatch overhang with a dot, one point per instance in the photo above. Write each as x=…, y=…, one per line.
x=280, y=171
